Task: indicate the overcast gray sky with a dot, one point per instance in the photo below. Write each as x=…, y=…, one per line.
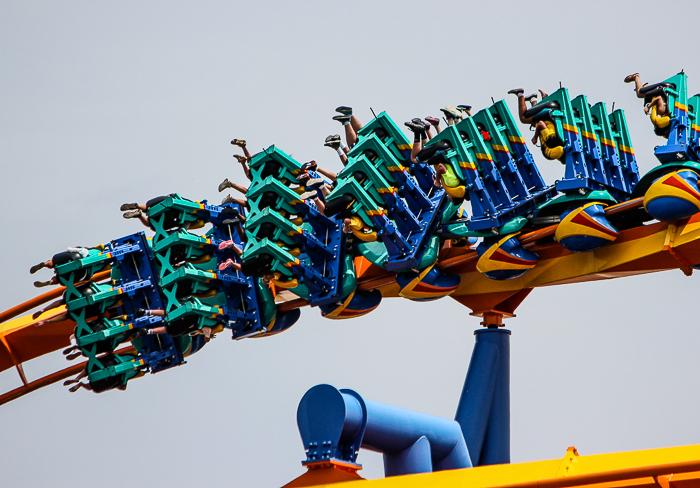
x=110, y=102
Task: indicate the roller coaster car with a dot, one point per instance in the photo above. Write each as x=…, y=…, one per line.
x=674, y=93
x=182, y=247
x=549, y=105
x=552, y=145
x=104, y=335
x=383, y=137
x=275, y=163
x=112, y=371
x=171, y=212
x=71, y=267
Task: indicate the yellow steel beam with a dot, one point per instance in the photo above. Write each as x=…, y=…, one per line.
x=665, y=468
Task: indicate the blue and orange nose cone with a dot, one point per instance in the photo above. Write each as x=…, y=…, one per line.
x=674, y=196
x=355, y=305
x=427, y=285
x=585, y=229
x=505, y=259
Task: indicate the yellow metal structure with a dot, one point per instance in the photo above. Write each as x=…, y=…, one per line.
x=674, y=467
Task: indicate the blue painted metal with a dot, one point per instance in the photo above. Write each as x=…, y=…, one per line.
x=410, y=210
x=241, y=308
x=334, y=424
x=135, y=268
x=484, y=406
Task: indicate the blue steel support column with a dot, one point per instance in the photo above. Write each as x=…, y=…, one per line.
x=484, y=407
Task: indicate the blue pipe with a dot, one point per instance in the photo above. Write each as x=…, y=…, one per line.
x=484, y=407
x=392, y=430
x=334, y=424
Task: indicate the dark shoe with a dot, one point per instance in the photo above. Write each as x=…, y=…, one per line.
x=465, y=108
x=240, y=159
x=630, y=78
x=139, y=334
x=310, y=166
x=129, y=206
x=231, y=211
x=132, y=214
x=238, y=142
x=333, y=141
x=344, y=110
x=140, y=312
x=433, y=121
x=224, y=184
x=415, y=128
x=530, y=97
x=417, y=121
x=302, y=177
x=36, y=268
x=343, y=119
x=41, y=284
x=234, y=220
x=516, y=91
x=227, y=199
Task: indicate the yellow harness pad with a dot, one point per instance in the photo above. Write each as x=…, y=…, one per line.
x=358, y=230
x=546, y=135
x=659, y=121
x=455, y=191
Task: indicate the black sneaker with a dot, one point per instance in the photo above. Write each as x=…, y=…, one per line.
x=36, y=268
x=465, y=108
x=310, y=166
x=224, y=184
x=516, y=91
x=139, y=334
x=343, y=119
x=129, y=206
x=530, y=97
x=140, y=312
x=41, y=284
x=132, y=214
x=414, y=127
x=344, y=110
x=333, y=141
x=419, y=123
